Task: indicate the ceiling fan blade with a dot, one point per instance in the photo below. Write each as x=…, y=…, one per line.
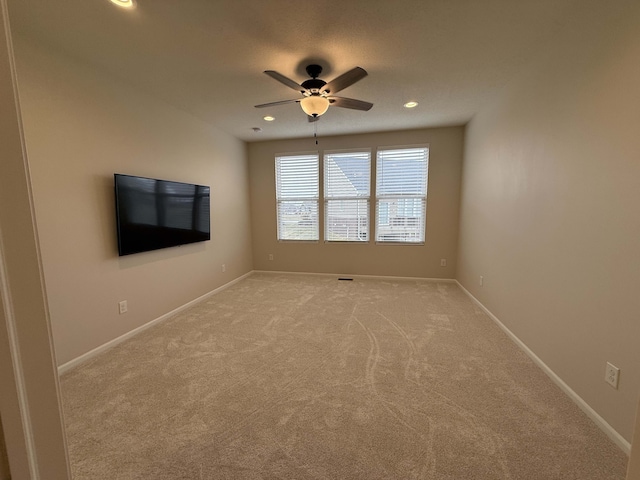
x=313, y=119
x=350, y=103
x=345, y=80
x=284, y=80
x=281, y=102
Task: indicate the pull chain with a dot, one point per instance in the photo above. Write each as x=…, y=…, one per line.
x=315, y=131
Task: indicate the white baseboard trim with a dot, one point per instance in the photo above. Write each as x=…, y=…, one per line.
x=349, y=275
x=70, y=365
x=618, y=439
x=584, y=406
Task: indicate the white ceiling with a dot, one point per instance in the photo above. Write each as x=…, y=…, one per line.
x=207, y=56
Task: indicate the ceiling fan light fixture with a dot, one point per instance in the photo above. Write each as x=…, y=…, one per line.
x=314, y=105
x=124, y=3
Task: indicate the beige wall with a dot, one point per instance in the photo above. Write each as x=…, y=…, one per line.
x=4, y=461
x=445, y=158
x=634, y=461
x=549, y=211
x=81, y=127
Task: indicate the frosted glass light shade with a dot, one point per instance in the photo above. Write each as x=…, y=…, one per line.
x=314, y=105
x=124, y=3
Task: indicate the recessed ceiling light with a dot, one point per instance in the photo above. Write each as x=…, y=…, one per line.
x=268, y=118
x=410, y=104
x=124, y=3
x=256, y=129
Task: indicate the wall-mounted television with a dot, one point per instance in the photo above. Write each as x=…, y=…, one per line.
x=153, y=214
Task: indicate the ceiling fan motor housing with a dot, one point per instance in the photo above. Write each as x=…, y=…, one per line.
x=313, y=85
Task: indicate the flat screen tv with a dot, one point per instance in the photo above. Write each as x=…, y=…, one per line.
x=153, y=214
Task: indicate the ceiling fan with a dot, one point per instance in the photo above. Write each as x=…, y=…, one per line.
x=317, y=94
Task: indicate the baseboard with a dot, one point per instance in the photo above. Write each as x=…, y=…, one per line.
x=577, y=399
x=70, y=365
x=349, y=275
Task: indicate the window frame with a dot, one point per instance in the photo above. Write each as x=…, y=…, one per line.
x=346, y=198
x=398, y=196
x=280, y=200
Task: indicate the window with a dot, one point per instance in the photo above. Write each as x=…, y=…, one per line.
x=297, y=196
x=401, y=194
x=346, y=196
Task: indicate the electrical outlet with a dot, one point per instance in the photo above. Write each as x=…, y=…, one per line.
x=271, y=256
x=122, y=307
x=611, y=375
x=481, y=280
x=224, y=268
x=443, y=262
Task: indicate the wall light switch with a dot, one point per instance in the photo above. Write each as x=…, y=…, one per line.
x=122, y=307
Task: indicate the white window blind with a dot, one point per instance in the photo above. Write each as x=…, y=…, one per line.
x=401, y=194
x=297, y=197
x=347, y=180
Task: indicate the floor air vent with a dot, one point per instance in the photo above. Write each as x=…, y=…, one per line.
x=346, y=279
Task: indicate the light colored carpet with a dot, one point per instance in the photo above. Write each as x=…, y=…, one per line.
x=308, y=377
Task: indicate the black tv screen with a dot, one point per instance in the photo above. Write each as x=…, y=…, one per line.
x=153, y=214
